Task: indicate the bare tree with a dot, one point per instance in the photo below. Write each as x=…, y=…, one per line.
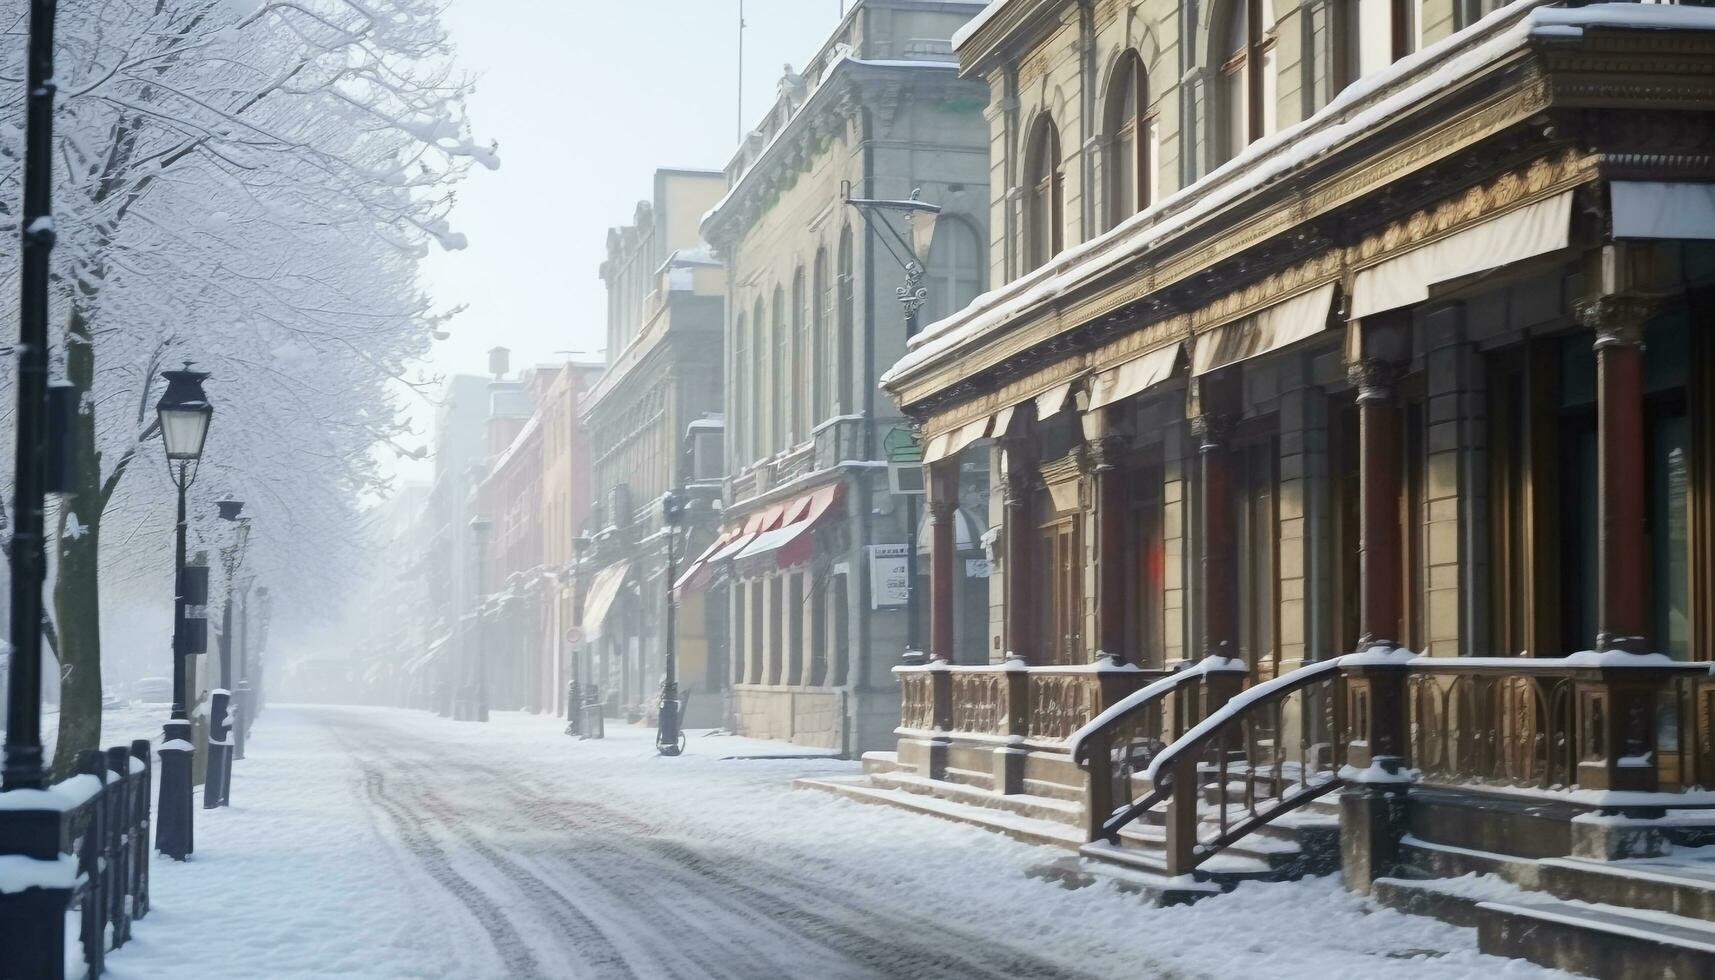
x=247, y=184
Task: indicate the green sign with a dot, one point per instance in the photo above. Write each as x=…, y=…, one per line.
x=903, y=445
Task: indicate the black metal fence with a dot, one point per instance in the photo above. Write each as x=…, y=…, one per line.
x=74, y=866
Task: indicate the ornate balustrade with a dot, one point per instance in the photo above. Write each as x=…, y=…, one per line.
x=1043, y=705
x=1549, y=724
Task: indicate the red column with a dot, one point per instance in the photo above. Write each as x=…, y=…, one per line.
x=1111, y=556
x=1380, y=606
x=1622, y=612
x=1219, y=585
x=1019, y=482
x=943, y=545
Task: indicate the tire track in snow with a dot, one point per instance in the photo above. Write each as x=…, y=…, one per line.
x=507, y=942
x=728, y=911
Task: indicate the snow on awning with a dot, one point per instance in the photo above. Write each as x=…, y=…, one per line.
x=1134, y=376
x=1284, y=323
x=1050, y=402
x=1522, y=233
x=790, y=543
x=603, y=591
x=1658, y=209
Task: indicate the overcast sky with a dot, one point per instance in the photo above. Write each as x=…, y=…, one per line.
x=587, y=99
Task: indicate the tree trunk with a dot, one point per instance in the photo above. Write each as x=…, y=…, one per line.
x=77, y=588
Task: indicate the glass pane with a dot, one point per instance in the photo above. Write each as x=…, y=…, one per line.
x=1670, y=483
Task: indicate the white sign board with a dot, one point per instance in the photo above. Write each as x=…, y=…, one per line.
x=976, y=568
x=889, y=578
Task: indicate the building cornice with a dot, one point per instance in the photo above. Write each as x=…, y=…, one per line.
x=849, y=86
x=1400, y=165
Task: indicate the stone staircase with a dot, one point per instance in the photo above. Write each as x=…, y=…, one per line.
x=1051, y=813
x=1628, y=919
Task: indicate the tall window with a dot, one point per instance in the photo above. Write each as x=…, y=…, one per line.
x=1372, y=34
x=802, y=356
x=820, y=326
x=1044, y=226
x=758, y=382
x=955, y=269
x=741, y=387
x=1130, y=153
x=777, y=376
x=1246, y=86
x=847, y=289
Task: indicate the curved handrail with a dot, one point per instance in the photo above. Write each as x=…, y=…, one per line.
x=1142, y=699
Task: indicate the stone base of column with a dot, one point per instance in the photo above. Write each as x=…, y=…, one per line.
x=1372, y=822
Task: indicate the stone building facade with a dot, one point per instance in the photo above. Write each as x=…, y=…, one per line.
x=1347, y=397
x=812, y=318
x=663, y=384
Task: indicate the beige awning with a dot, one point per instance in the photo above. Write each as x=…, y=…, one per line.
x=1133, y=377
x=598, y=602
x=1534, y=229
x=1286, y=322
x=1050, y=402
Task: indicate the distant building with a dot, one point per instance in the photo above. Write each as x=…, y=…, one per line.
x=812, y=541
x=651, y=420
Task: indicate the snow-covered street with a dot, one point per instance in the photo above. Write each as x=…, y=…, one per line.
x=383, y=843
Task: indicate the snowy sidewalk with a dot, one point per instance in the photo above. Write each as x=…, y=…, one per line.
x=369, y=842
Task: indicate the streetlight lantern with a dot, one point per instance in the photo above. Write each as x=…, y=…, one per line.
x=669, y=735
x=184, y=412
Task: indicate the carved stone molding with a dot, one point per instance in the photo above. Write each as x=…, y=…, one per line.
x=1374, y=378
x=1212, y=430
x=1618, y=320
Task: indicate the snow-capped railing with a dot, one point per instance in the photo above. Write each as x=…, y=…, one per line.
x=81, y=844
x=1010, y=701
x=1618, y=728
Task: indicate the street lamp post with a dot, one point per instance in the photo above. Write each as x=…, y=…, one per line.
x=241, y=694
x=184, y=413
x=669, y=736
x=217, y=790
x=480, y=526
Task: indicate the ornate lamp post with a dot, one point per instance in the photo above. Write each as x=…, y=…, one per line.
x=480, y=526
x=669, y=737
x=184, y=412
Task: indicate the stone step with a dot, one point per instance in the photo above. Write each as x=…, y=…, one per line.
x=879, y=762
x=1155, y=888
x=1452, y=900
x=1037, y=807
x=1678, y=884
x=1598, y=940
x=1021, y=828
x=1225, y=869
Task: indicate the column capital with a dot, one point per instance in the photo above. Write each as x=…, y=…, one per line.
x=1618, y=319
x=1106, y=452
x=1374, y=378
x=941, y=510
x=1212, y=429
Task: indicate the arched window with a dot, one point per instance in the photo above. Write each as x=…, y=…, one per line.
x=777, y=376
x=802, y=357
x=1246, y=73
x=820, y=326
x=1130, y=137
x=741, y=385
x=1045, y=184
x=955, y=269
x=1370, y=35
x=758, y=382
x=847, y=290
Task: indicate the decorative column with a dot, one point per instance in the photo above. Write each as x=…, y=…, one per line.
x=943, y=549
x=1112, y=493
x=1018, y=481
x=1379, y=539
x=1218, y=581
x=1615, y=709
x=1622, y=610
